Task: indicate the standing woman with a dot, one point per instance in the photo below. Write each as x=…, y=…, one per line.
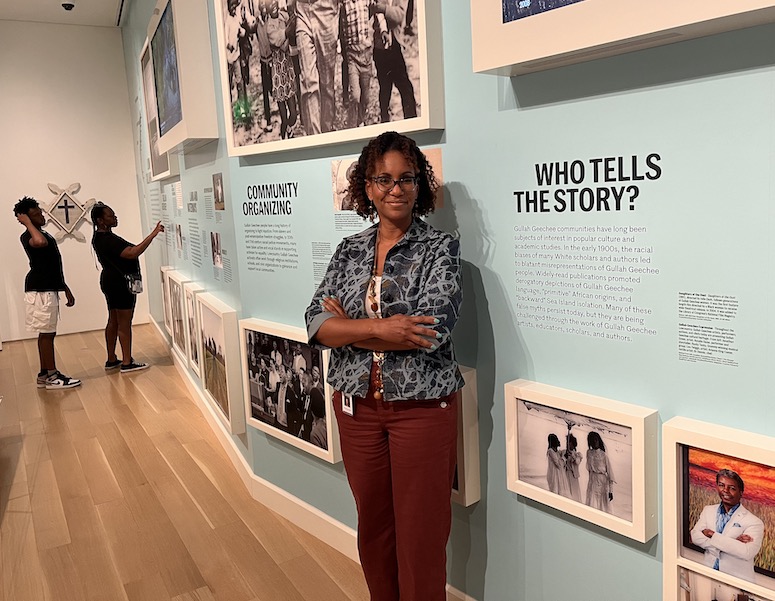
x=119, y=259
x=387, y=306
x=600, y=490
x=555, y=466
x=572, y=462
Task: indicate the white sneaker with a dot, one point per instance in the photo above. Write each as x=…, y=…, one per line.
x=59, y=381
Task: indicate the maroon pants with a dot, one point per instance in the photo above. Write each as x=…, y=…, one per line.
x=400, y=460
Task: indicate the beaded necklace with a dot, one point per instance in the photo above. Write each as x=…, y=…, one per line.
x=379, y=356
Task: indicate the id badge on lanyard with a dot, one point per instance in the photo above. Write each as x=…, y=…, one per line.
x=348, y=404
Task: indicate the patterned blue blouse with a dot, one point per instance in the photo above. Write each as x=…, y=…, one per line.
x=421, y=276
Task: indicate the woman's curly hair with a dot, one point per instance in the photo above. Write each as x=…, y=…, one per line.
x=364, y=169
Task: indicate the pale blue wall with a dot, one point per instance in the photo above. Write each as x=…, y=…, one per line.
x=706, y=106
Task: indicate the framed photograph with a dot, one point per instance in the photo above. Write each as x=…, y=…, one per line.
x=284, y=380
x=219, y=356
x=514, y=37
x=719, y=507
x=165, y=297
x=175, y=281
x=591, y=457
x=182, y=74
x=697, y=587
x=160, y=164
x=302, y=74
x=466, y=487
x=190, y=290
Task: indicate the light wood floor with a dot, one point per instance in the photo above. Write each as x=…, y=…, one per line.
x=118, y=490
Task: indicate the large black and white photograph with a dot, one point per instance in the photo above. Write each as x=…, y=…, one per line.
x=577, y=456
x=519, y=9
x=697, y=587
x=589, y=456
x=285, y=384
x=294, y=70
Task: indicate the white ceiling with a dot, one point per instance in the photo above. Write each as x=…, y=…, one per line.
x=98, y=13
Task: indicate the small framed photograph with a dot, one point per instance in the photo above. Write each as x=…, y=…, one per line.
x=190, y=290
x=285, y=384
x=719, y=507
x=177, y=313
x=591, y=457
x=219, y=356
x=466, y=487
x=165, y=297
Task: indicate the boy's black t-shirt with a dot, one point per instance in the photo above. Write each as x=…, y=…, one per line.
x=46, y=273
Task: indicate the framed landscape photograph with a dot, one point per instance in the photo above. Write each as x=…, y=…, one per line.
x=514, y=37
x=327, y=72
x=466, y=487
x=190, y=290
x=591, y=457
x=719, y=505
x=165, y=297
x=284, y=381
x=219, y=355
x=175, y=281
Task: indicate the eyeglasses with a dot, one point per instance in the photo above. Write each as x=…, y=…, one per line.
x=387, y=183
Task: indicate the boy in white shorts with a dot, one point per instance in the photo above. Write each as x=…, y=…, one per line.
x=41, y=291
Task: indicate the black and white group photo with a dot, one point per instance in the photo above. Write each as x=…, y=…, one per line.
x=300, y=68
x=287, y=386
x=583, y=458
x=214, y=358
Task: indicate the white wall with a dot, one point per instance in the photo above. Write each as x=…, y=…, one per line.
x=64, y=118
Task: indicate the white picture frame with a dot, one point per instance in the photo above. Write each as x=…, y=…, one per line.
x=259, y=405
x=740, y=449
x=190, y=290
x=630, y=431
x=243, y=118
x=160, y=164
x=467, y=487
x=175, y=281
x=165, y=297
x=194, y=99
x=219, y=351
x=592, y=29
